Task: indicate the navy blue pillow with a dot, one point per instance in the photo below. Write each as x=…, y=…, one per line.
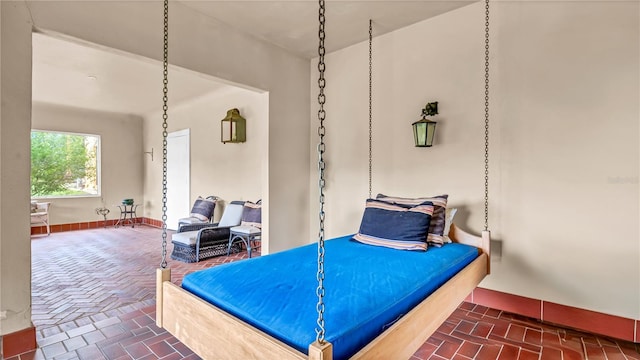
x=395, y=226
x=435, y=235
x=203, y=208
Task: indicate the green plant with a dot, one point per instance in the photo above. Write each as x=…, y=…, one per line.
x=57, y=161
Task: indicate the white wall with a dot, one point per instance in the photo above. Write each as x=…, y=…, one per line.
x=582, y=66
x=15, y=125
x=564, y=140
x=229, y=171
x=121, y=158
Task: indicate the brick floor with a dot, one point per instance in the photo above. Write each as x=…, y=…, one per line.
x=477, y=332
x=79, y=277
x=93, y=298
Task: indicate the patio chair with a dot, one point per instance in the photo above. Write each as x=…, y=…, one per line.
x=40, y=214
x=192, y=245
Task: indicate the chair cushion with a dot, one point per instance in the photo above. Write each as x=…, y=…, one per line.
x=186, y=238
x=245, y=230
x=232, y=214
x=190, y=220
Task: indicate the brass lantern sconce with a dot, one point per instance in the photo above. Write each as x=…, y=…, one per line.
x=424, y=129
x=233, y=128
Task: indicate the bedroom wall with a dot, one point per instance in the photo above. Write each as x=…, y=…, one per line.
x=229, y=171
x=564, y=140
x=121, y=158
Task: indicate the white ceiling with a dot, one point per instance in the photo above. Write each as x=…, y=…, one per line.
x=90, y=77
x=77, y=75
x=293, y=24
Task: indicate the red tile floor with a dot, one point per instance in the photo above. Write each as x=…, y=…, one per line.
x=93, y=298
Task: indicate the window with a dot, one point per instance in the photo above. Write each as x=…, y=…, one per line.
x=64, y=164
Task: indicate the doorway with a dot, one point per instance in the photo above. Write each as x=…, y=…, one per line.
x=178, y=176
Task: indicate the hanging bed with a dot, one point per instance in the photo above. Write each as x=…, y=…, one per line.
x=263, y=308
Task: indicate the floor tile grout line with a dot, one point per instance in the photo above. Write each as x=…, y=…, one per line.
x=502, y=348
x=584, y=349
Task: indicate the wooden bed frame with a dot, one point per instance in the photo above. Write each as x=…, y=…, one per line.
x=214, y=334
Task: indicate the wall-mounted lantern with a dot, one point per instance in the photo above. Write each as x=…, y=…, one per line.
x=233, y=128
x=424, y=129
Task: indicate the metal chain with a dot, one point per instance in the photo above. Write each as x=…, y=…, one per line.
x=320, y=292
x=165, y=98
x=370, y=101
x=486, y=116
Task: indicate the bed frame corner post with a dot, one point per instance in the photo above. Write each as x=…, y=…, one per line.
x=486, y=247
x=162, y=275
x=320, y=351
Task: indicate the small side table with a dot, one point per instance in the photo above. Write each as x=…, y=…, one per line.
x=129, y=210
x=245, y=233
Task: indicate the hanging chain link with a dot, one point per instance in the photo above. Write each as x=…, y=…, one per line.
x=165, y=98
x=320, y=292
x=370, y=102
x=486, y=116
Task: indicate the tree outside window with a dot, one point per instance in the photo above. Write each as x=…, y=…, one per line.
x=64, y=164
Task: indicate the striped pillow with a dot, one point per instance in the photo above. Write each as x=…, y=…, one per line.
x=395, y=226
x=252, y=214
x=203, y=208
x=436, y=228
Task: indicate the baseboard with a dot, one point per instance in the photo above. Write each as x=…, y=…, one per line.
x=19, y=342
x=42, y=230
x=152, y=222
x=580, y=319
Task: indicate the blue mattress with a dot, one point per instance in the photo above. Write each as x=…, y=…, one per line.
x=368, y=288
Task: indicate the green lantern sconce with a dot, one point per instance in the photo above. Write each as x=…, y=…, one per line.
x=233, y=128
x=424, y=129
